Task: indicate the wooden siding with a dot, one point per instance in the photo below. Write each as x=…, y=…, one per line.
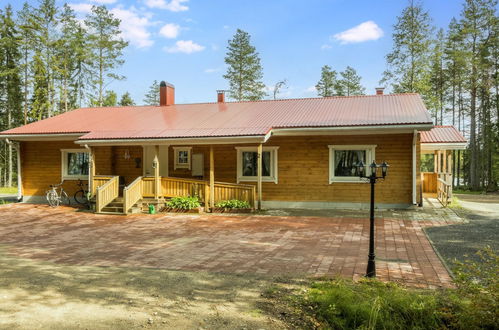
x=41, y=166
x=303, y=167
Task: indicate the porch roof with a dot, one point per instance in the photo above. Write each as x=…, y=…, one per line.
x=443, y=137
x=233, y=119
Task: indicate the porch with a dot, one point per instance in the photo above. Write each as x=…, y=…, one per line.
x=124, y=192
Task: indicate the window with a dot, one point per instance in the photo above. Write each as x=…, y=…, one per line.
x=75, y=164
x=343, y=161
x=182, y=157
x=247, y=164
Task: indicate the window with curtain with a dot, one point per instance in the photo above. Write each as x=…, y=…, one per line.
x=343, y=161
x=247, y=164
x=75, y=164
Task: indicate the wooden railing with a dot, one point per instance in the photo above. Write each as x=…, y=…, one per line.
x=98, y=181
x=175, y=187
x=132, y=194
x=106, y=193
x=443, y=191
x=226, y=191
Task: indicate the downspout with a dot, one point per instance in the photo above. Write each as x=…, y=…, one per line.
x=414, y=163
x=17, y=146
x=90, y=165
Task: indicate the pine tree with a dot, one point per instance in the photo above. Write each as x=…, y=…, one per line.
x=110, y=99
x=477, y=17
x=349, y=84
x=152, y=95
x=40, y=99
x=106, y=46
x=244, y=71
x=10, y=81
x=328, y=84
x=408, y=62
x=126, y=100
x=27, y=42
x=437, y=78
x=45, y=19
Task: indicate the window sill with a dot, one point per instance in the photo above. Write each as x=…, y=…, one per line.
x=74, y=177
x=182, y=167
x=254, y=179
x=346, y=181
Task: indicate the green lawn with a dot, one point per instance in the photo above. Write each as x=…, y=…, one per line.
x=8, y=190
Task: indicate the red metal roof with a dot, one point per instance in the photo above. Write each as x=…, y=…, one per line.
x=442, y=134
x=233, y=118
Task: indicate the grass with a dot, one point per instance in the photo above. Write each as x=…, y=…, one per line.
x=468, y=192
x=8, y=190
x=455, y=204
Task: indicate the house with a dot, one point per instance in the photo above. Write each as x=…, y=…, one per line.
x=308, y=149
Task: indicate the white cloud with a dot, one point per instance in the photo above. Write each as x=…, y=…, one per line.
x=363, y=32
x=134, y=26
x=81, y=7
x=170, y=30
x=103, y=2
x=184, y=46
x=326, y=46
x=172, y=5
x=211, y=70
x=310, y=89
x=226, y=27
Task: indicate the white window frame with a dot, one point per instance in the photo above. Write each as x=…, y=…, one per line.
x=176, y=151
x=273, y=165
x=64, y=165
x=370, y=156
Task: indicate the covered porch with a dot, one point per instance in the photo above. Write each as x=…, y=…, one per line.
x=441, y=142
x=141, y=175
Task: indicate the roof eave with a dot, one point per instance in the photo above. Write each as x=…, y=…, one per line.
x=352, y=130
x=176, y=141
x=42, y=136
x=443, y=146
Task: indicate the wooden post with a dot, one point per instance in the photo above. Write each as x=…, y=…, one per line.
x=91, y=171
x=157, y=179
x=259, y=175
x=444, y=169
x=212, y=178
x=435, y=161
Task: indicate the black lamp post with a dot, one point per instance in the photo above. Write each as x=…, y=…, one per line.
x=371, y=265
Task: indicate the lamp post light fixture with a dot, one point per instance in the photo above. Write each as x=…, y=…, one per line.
x=372, y=178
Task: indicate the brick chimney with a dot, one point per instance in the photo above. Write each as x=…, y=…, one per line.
x=166, y=94
x=220, y=96
x=380, y=90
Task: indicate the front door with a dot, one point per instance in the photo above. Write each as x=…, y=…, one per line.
x=149, y=158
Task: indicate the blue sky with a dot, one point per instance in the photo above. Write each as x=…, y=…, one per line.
x=184, y=41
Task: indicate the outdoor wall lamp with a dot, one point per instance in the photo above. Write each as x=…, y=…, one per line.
x=361, y=167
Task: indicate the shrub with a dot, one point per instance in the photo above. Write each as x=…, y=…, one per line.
x=183, y=203
x=233, y=204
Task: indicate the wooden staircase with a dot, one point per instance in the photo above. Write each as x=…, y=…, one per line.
x=115, y=207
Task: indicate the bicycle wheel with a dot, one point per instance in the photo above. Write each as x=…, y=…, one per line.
x=80, y=197
x=64, y=198
x=52, y=198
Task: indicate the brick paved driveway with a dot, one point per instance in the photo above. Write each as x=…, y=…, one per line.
x=273, y=245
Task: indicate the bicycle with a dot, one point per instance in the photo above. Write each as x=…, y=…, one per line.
x=55, y=198
x=81, y=196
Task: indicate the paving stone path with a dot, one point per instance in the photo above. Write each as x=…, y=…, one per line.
x=267, y=245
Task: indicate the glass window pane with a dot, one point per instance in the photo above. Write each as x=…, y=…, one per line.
x=77, y=163
x=250, y=163
x=345, y=162
x=183, y=157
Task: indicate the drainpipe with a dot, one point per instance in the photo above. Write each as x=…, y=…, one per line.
x=414, y=163
x=17, y=146
x=90, y=168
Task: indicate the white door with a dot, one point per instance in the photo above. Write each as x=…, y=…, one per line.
x=198, y=165
x=149, y=158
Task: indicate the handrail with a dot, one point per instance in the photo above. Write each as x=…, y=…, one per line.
x=106, y=193
x=132, y=194
x=443, y=191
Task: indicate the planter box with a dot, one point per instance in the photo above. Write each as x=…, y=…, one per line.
x=174, y=210
x=225, y=210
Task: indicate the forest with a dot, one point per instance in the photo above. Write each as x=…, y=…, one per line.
x=51, y=62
